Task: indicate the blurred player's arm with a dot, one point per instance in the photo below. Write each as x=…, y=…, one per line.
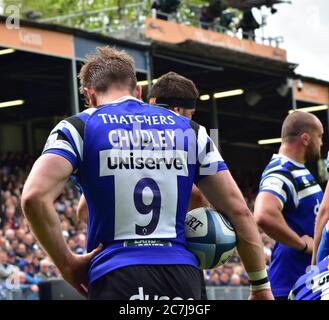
x=224, y=194
x=197, y=199
x=268, y=215
x=44, y=184
x=82, y=210
x=321, y=219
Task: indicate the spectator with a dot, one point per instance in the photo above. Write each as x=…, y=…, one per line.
x=30, y=291
x=224, y=278
x=19, y=246
x=205, y=19
x=164, y=8
x=214, y=279
x=45, y=272
x=81, y=247
x=235, y=280
x=5, y=268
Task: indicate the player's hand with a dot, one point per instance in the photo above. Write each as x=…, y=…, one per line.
x=265, y=294
x=309, y=242
x=75, y=273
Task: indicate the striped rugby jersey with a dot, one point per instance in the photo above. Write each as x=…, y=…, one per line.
x=136, y=164
x=300, y=197
x=313, y=285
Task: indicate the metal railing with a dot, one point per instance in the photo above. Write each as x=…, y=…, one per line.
x=214, y=293
x=228, y=293
x=17, y=294
x=110, y=21
x=127, y=22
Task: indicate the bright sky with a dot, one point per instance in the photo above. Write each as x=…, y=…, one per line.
x=304, y=24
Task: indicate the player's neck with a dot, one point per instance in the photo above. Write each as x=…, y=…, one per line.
x=292, y=152
x=112, y=96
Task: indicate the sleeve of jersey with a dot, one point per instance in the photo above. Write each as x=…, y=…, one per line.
x=209, y=160
x=64, y=140
x=280, y=187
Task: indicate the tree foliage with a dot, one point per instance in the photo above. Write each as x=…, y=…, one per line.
x=121, y=17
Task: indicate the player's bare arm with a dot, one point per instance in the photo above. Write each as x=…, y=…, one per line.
x=229, y=200
x=44, y=184
x=269, y=217
x=321, y=220
x=197, y=199
x=82, y=209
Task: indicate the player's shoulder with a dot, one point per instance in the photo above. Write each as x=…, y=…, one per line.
x=78, y=121
x=279, y=164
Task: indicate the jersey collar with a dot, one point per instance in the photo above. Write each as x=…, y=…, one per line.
x=298, y=164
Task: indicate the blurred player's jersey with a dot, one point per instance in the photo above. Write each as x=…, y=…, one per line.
x=300, y=197
x=314, y=285
x=136, y=164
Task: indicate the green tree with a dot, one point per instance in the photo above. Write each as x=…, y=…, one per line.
x=54, y=8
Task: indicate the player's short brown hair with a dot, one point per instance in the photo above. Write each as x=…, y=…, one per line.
x=297, y=123
x=108, y=68
x=173, y=85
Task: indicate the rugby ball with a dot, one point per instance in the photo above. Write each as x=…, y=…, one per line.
x=210, y=236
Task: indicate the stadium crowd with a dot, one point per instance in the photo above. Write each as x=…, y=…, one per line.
x=23, y=264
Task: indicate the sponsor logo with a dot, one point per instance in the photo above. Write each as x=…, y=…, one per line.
x=141, y=296
x=193, y=222
x=143, y=243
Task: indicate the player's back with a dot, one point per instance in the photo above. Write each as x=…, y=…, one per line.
x=137, y=181
x=136, y=164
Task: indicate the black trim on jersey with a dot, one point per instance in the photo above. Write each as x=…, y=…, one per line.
x=61, y=136
x=293, y=167
x=302, y=186
x=78, y=124
x=210, y=146
x=195, y=126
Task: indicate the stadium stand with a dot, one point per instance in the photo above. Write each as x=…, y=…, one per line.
x=24, y=265
x=216, y=62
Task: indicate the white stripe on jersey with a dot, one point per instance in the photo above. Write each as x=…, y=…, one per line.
x=53, y=142
x=76, y=137
x=275, y=184
x=300, y=173
x=208, y=160
x=203, y=157
x=62, y=144
x=308, y=191
x=289, y=185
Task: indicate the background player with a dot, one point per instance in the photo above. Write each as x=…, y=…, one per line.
x=288, y=200
x=180, y=95
x=314, y=285
x=131, y=204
